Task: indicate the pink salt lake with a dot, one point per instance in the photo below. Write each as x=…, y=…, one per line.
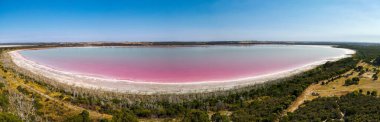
x=181, y=64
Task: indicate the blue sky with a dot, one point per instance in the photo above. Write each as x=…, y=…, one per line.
x=189, y=20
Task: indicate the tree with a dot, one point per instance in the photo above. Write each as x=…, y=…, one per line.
x=353, y=81
x=361, y=72
x=82, y=117
x=217, y=117
x=376, y=61
x=375, y=77
x=124, y=116
x=4, y=101
x=374, y=93
x=359, y=68
x=242, y=116
x=196, y=116
x=219, y=105
x=356, y=79
x=85, y=115
x=2, y=85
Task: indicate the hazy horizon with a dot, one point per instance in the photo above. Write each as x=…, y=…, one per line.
x=121, y=41
x=195, y=20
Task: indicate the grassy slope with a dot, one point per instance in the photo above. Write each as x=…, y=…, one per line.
x=52, y=107
x=337, y=88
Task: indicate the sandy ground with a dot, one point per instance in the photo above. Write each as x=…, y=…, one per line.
x=157, y=88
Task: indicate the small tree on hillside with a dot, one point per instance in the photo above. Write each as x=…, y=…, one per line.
x=82, y=117
x=361, y=72
x=374, y=93
x=359, y=68
x=353, y=81
x=217, y=117
x=124, y=116
x=376, y=62
x=375, y=77
x=196, y=116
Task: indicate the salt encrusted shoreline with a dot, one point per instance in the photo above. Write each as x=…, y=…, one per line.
x=159, y=88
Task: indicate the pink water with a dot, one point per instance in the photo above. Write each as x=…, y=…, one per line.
x=180, y=64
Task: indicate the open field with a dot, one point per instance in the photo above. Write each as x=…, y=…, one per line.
x=337, y=87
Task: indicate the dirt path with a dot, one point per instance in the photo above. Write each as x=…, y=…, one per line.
x=68, y=105
x=301, y=99
x=305, y=95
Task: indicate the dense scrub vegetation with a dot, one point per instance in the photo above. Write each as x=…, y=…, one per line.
x=366, y=52
x=5, y=114
x=278, y=97
x=8, y=117
x=196, y=116
x=124, y=115
x=217, y=117
x=355, y=107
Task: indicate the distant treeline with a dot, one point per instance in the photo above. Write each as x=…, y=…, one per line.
x=367, y=53
x=145, y=43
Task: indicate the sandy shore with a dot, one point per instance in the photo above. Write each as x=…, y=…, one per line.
x=159, y=88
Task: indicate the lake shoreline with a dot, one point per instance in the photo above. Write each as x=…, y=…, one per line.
x=132, y=87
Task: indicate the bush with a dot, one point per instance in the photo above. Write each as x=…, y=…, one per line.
x=2, y=85
x=353, y=81
x=376, y=62
x=375, y=77
x=217, y=117
x=196, y=116
x=374, y=93
x=124, y=116
x=4, y=102
x=82, y=117
x=7, y=117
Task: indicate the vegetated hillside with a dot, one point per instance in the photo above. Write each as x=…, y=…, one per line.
x=31, y=101
x=359, y=105
x=264, y=103
x=354, y=107
x=6, y=109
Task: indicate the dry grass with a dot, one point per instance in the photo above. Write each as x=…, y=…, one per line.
x=337, y=87
x=52, y=107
